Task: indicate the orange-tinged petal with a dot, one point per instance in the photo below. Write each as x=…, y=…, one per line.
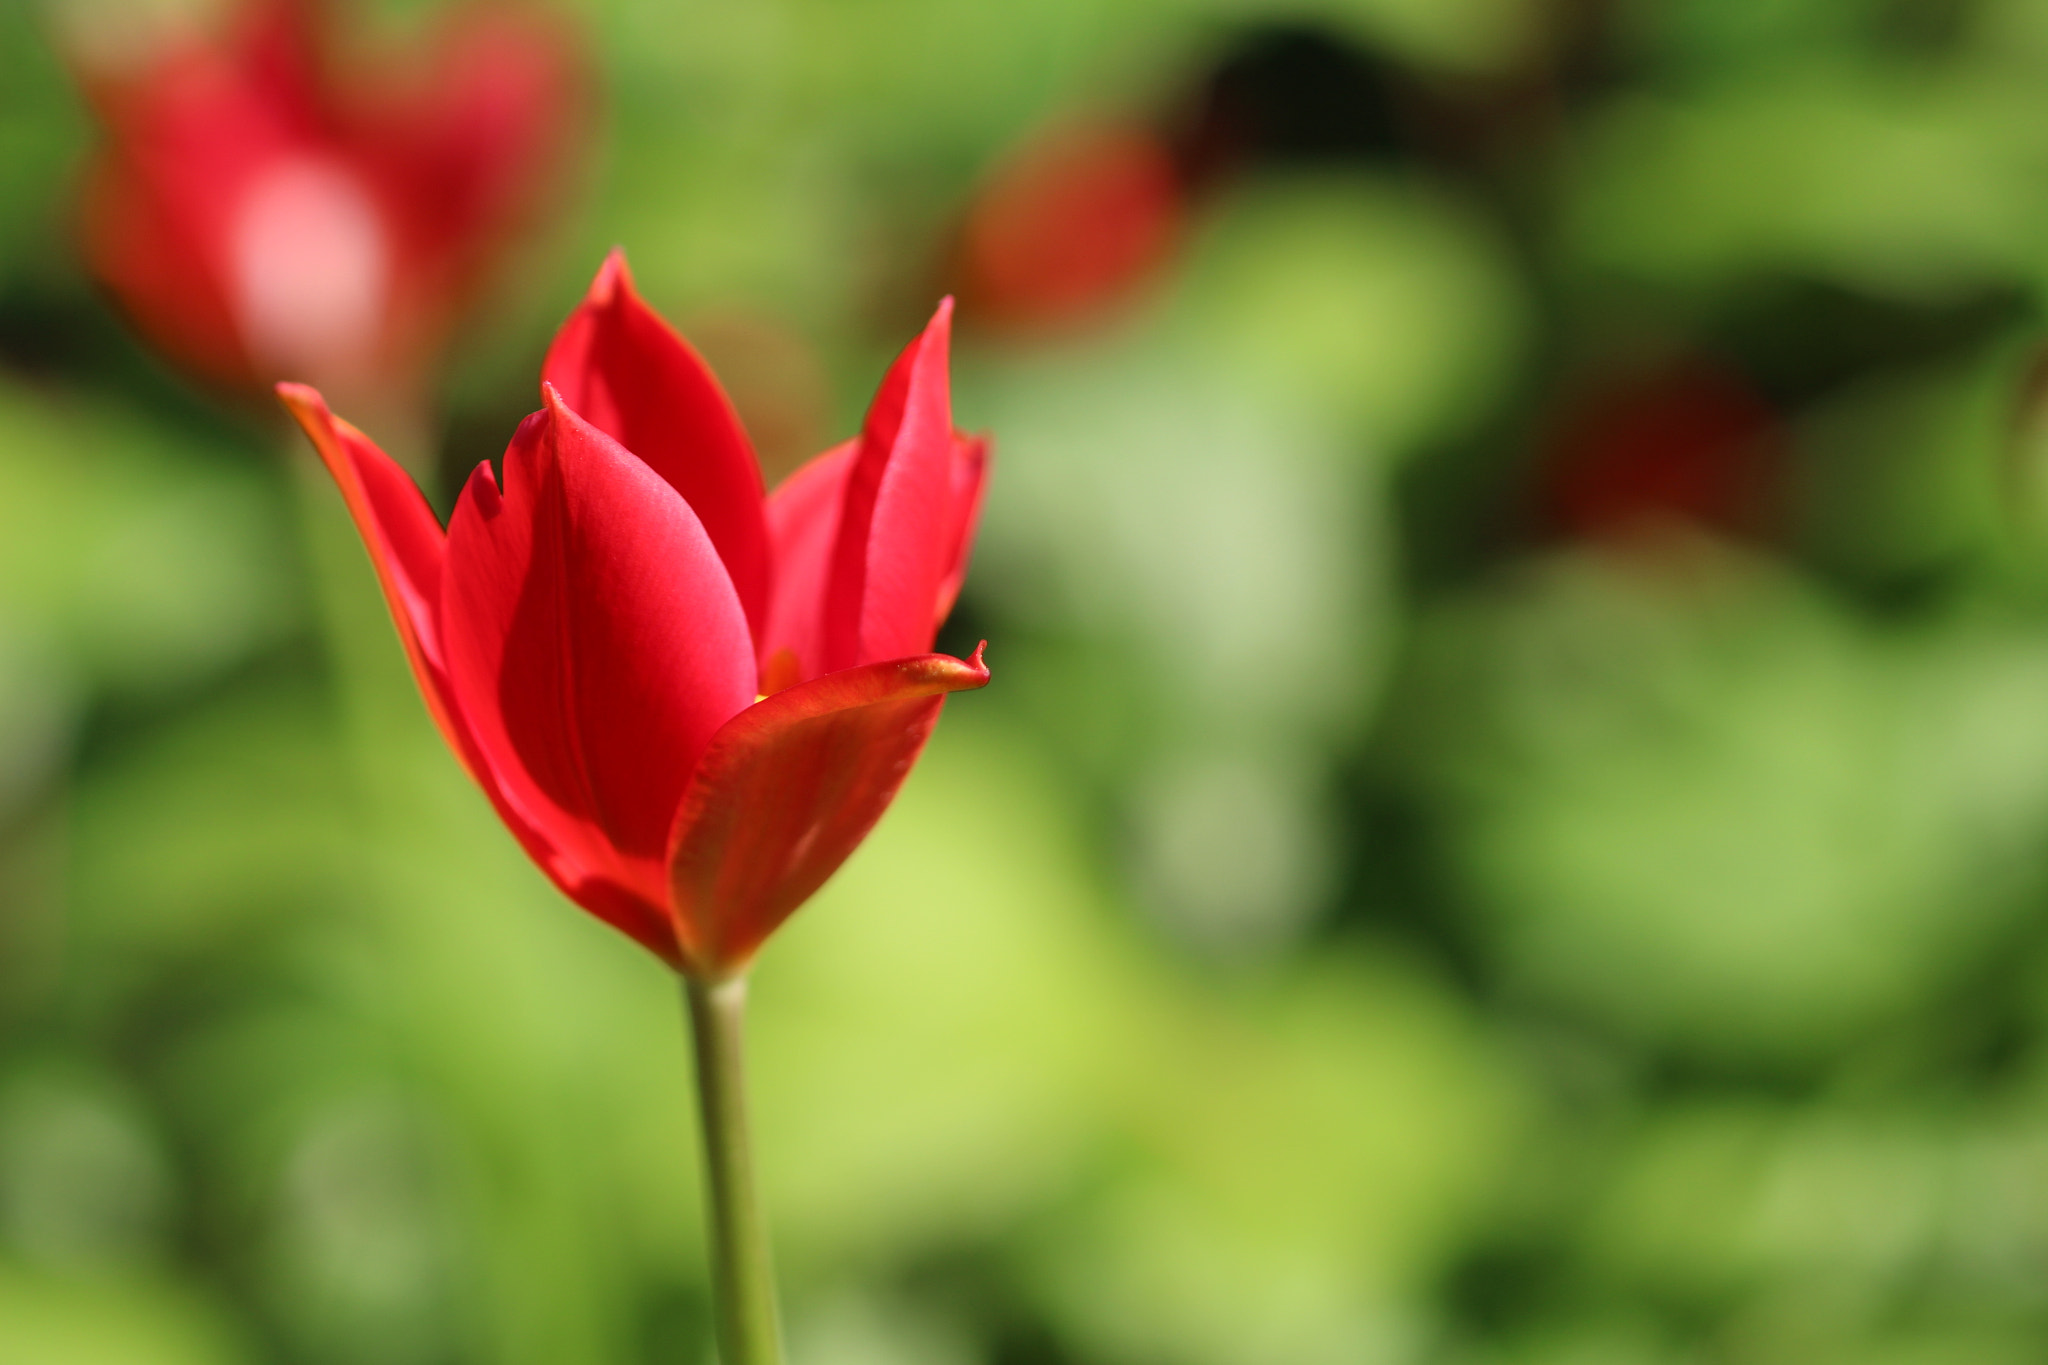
x=787, y=790
x=401, y=533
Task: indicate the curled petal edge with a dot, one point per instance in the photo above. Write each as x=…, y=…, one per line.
x=787, y=790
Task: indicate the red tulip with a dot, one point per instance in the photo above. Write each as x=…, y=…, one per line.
x=262, y=213
x=688, y=701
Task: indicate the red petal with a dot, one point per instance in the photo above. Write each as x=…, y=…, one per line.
x=410, y=555
x=626, y=372
x=594, y=641
x=894, y=547
x=970, y=480
x=788, y=789
x=803, y=526
x=398, y=529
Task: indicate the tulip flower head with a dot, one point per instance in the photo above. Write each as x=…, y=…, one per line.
x=687, y=700
x=263, y=212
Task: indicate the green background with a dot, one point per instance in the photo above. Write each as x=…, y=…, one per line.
x=1362, y=924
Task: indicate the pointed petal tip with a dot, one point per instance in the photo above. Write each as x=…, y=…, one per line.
x=308, y=407
x=555, y=408
x=524, y=431
x=613, y=278
x=974, y=660
x=937, y=336
x=303, y=402
x=481, y=488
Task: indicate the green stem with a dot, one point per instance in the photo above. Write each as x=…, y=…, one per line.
x=742, y=1275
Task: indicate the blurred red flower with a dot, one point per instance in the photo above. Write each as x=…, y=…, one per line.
x=1686, y=441
x=595, y=636
x=1068, y=226
x=263, y=213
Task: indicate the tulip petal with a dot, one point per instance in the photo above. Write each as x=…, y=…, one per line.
x=786, y=791
x=408, y=550
x=803, y=527
x=594, y=641
x=626, y=372
x=401, y=534
x=896, y=537
x=970, y=480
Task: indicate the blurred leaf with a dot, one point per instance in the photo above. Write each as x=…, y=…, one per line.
x=85, y=1182
x=42, y=134
x=1686, y=795
x=1910, y=476
x=58, y=1322
x=1383, y=310
x=149, y=563
x=1205, y=586
x=1294, y=1169
x=1897, y=183
x=1146, y=499
x=204, y=839
x=939, y=1033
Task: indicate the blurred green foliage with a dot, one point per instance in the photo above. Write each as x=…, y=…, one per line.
x=1406, y=899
